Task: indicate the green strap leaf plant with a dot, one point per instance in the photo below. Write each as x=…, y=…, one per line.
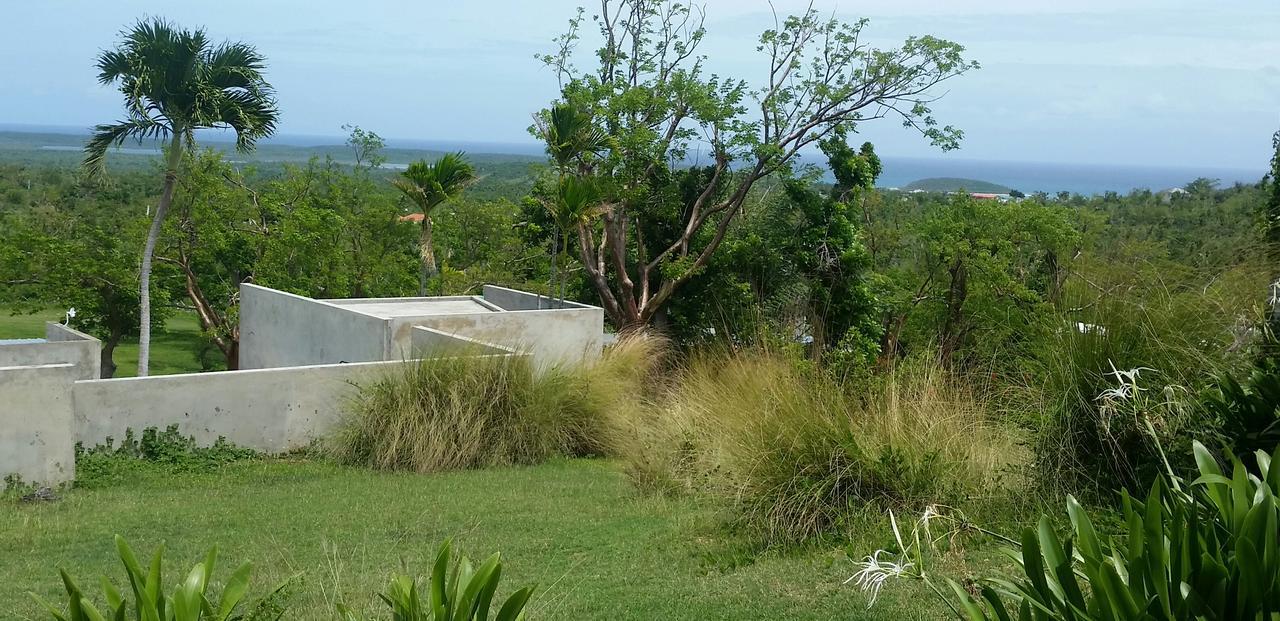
x=457, y=591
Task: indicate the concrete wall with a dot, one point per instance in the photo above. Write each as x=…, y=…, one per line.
x=270, y=410
x=63, y=345
x=515, y=300
x=36, y=434
x=551, y=337
x=431, y=343
x=279, y=329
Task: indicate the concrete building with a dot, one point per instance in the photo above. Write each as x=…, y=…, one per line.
x=300, y=358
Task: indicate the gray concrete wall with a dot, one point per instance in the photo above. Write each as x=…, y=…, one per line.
x=64, y=346
x=279, y=329
x=87, y=355
x=515, y=300
x=270, y=410
x=36, y=434
x=551, y=337
x=431, y=343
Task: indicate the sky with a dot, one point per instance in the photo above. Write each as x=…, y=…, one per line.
x=1136, y=82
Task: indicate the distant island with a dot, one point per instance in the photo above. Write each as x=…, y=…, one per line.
x=952, y=184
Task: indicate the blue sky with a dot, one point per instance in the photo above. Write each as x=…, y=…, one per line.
x=1162, y=82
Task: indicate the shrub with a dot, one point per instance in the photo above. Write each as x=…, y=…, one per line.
x=189, y=601
x=168, y=451
x=1248, y=413
x=1205, y=550
x=457, y=592
x=473, y=412
x=795, y=454
x=1181, y=337
x=1199, y=550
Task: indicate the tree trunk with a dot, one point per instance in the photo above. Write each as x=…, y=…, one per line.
x=107, y=355
x=555, y=265
x=149, y=250
x=956, y=295
x=428, y=252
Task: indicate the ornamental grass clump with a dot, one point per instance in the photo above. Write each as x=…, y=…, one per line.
x=459, y=412
x=795, y=454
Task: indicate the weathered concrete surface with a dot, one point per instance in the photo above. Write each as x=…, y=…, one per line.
x=431, y=343
x=279, y=329
x=36, y=435
x=270, y=410
x=63, y=345
x=551, y=337
x=515, y=300
x=386, y=308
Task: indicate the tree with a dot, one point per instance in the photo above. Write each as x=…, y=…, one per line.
x=50, y=259
x=175, y=82
x=652, y=98
x=1271, y=214
x=573, y=142
x=366, y=145
x=428, y=186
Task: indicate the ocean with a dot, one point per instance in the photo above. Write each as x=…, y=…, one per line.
x=1025, y=176
x=1052, y=178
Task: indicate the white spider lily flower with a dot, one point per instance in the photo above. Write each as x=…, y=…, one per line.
x=71, y=314
x=1123, y=392
x=875, y=572
x=1130, y=376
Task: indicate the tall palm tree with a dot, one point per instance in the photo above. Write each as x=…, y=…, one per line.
x=174, y=82
x=577, y=203
x=573, y=142
x=429, y=186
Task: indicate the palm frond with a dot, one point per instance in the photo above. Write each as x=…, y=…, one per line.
x=111, y=135
x=430, y=184
x=175, y=80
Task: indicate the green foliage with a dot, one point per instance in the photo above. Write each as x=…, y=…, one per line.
x=1160, y=325
x=456, y=592
x=1203, y=550
x=164, y=451
x=1248, y=413
x=628, y=123
x=191, y=600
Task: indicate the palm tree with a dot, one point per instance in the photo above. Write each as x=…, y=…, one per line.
x=572, y=138
x=429, y=186
x=573, y=142
x=175, y=82
x=577, y=204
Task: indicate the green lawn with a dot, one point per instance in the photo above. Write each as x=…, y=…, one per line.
x=596, y=548
x=174, y=348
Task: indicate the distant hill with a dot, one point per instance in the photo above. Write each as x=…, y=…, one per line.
x=952, y=184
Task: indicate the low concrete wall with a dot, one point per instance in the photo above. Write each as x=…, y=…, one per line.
x=270, y=410
x=431, y=343
x=63, y=345
x=279, y=329
x=551, y=337
x=36, y=434
x=516, y=300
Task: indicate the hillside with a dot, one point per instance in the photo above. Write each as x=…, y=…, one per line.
x=952, y=184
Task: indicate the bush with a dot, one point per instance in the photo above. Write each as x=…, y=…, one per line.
x=795, y=454
x=1181, y=338
x=168, y=451
x=478, y=411
x=1204, y=550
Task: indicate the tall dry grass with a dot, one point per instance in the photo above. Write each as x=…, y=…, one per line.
x=462, y=412
x=794, y=453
